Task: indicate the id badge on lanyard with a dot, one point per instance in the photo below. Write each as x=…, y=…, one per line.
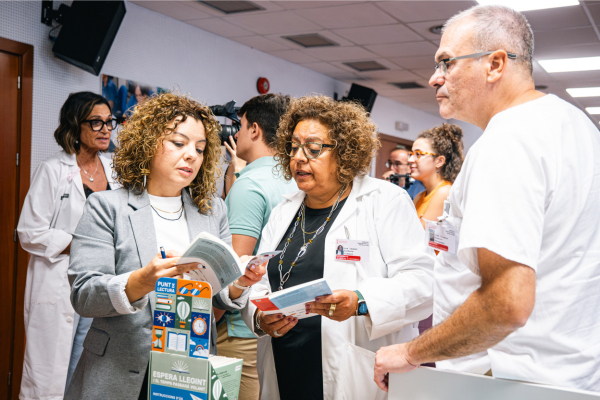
x=441, y=235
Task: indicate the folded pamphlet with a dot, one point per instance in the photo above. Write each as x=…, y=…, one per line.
x=219, y=264
x=292, y=301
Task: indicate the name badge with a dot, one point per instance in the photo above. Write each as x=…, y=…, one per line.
x=352, y=250
x=441, y=237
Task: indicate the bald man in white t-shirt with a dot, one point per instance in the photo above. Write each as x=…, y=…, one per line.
x=520, y=299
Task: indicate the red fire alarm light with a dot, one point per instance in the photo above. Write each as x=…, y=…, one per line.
x=263, y=85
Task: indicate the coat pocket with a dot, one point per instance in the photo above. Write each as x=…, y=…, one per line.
x=96, y=341
x=357, y=379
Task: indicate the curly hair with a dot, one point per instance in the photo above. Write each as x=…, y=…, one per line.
x=446, y=141
x=349, y=126
x=138, y=143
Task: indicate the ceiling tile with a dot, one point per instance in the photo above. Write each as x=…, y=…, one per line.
x=219, y=27
x=272, y=23
x=379, y=34
x=268, y=6
x=324, y=68
x=260, y=43
x=422, y=28
x=565, y=37
x=351, y=53
x=573, y=77
x=419, y=62
x=548, y=53
x=414, y=11
x=296, y=5
x=594, y=9
x=423, y=73
x=389, y=76
x=294, y=56
x=178, y=10
x=347, y=16
x=404, y=49
x=557, y=18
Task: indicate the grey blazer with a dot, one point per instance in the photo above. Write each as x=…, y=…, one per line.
x=116, y=235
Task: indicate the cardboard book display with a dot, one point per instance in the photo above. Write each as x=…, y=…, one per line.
x=181, y=366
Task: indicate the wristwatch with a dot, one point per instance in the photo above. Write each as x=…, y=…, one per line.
x=362, y=305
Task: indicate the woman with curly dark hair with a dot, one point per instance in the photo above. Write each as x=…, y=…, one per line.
x=382, y=283
x=167, y=161
x=435, y=160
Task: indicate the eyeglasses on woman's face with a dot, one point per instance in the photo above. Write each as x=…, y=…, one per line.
x=97, y=124
x=311, y=150
x=418, y=154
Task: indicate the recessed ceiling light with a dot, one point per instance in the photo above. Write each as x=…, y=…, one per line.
x=311, y=40
x=366, y=66
x=528, y=5
x=584, y=92
x=593, y=110
x=571, y=64
x=232, y=7
x=541, y=87
x=407, y=85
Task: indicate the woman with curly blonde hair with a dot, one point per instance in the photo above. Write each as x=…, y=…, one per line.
x=167, y=161
x=382, y=284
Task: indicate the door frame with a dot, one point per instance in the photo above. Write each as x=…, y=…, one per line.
x=25, y=54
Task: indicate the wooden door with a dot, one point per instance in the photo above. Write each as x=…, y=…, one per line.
x=16, y=88
x=388, y=143
x=9, y=101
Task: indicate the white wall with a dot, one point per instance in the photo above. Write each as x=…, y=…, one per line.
x=161, y=51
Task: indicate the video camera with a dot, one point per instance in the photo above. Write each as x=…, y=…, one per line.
x=228, y=110
x=395, y=179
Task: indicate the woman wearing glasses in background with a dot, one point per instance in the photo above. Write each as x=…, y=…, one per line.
x=327, y=148
x=52, y=209
x=435, y=160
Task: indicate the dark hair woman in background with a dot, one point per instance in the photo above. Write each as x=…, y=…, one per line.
x=51, y=211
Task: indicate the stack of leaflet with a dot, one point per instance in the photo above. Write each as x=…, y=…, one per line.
x=180, y=365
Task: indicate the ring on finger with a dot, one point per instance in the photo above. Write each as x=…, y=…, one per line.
x=331, y=309
x=276, y=334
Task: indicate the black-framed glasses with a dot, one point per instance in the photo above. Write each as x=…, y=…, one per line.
x=397, y=164
x=442, y=65
x=311, y=150
x=97, y=124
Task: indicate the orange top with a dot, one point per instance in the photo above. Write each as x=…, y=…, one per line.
x=423, y=202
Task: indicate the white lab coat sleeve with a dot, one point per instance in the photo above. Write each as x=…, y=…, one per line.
x=35, y=234
x=405, y=296
x=263, y=287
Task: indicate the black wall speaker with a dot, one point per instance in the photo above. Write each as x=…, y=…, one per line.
x=88, y=31
x=363, y=94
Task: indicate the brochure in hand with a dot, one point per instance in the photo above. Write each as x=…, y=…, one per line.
x=291, y=301
x=219, y=265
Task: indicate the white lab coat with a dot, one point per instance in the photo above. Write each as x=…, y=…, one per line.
x=397, y=284
x=51, y=212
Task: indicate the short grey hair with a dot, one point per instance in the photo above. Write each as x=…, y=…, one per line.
x=500, y=28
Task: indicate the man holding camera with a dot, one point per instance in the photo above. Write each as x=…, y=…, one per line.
x=252, y=192
x=398, y=165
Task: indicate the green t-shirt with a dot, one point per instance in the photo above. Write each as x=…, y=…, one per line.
x=254, y=194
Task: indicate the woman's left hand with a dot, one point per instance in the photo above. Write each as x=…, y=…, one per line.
x=346, y=302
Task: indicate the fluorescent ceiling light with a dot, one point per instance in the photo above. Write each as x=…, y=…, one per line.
x=528, y=5
x=571, y=64
x=593, y=110
x=584, y=92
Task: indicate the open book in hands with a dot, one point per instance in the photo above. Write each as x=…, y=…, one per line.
x=292, y=301
x=218, y=263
